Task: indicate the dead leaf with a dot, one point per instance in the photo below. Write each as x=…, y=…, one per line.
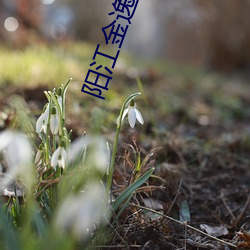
x=245, y=236
x=155, y=205
x=215, y=231
x=152, y=204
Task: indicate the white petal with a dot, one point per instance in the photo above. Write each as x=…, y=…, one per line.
x=5, y=139
x=39, y=123
x=44, y=127
x=18, y=157
x=38, y=156
x=101, y=154
x=63, y=158
x=132, y=117
x=117, y=120
x=77, y=148
x=59, y=99
x=125, y=112
x=78, y=214
x=19, y=151
x=61, y=163
x=139, y=116
x=46, y=113
x=54, y=124
x=55, y=156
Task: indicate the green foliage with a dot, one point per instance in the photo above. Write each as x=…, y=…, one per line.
x=132, y=188
x=41, y=64
x=67, y=205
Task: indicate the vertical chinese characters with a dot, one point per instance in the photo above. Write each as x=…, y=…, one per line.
x=114, y=33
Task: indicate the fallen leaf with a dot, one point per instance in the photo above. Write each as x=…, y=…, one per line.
x=245, y=236
x=153, y=204
x=215, y=231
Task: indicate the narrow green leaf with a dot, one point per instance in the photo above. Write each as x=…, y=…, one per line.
x=138, y=163
x=122, y=209
x=65, y=87
x=129, y=190
x=10, y=236
x=39, y=222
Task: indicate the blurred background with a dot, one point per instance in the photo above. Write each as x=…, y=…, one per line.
x=193, y=60
x=212, y=34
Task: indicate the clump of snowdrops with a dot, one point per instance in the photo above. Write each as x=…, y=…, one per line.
x=61, y=190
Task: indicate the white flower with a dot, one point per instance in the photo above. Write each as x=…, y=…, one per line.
x=17, y=152
x=39, y=154
x=54, y=121
x=98, y=152
x=79, y=214
x=133, y=114
x=42, y=122
x=59, y=157
x=59, y=99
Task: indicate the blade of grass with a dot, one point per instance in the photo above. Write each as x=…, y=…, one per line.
x=122, y=209
x=11, y=239
x=128, y=191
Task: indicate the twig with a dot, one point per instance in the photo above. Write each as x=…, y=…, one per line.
x=227, y=207
x=239, y=217
x=173, y=202
x=184, y=224
x=117, y=246
x=185, y=242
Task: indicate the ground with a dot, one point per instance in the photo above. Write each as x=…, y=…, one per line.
x=197, y=124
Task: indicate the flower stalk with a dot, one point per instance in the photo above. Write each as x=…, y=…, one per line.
x=119, y=121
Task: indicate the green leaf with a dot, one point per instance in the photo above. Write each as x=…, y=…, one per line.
x=129, y=190
x=10, y=236
x=39, y=222
x=122, y=209
x=112, y=164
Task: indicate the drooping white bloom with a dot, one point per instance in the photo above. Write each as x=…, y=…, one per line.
x=39, y=154
x=133, y=114
x=98, y=152
x=99, y=155
x=59, y=99
x=54, y=121
x=17, y=152
x=79, y=214
x=59, y=157
x=42, y=122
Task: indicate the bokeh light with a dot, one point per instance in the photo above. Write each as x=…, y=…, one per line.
x=11, y=24
x=47, y=2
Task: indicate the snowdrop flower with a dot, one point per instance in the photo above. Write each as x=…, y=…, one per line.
x=42, y=122
x=133, y=114
x=79, y=214
x=54, y=121
x=39, y=154
x=59, y=97
x=98, y=152
x=17, y=152
x=59, y=157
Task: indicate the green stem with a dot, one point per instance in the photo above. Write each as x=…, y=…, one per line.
x=59, y=111
x=65, y=87
x=112, y=164
x=54, y=142
x=47, y=141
